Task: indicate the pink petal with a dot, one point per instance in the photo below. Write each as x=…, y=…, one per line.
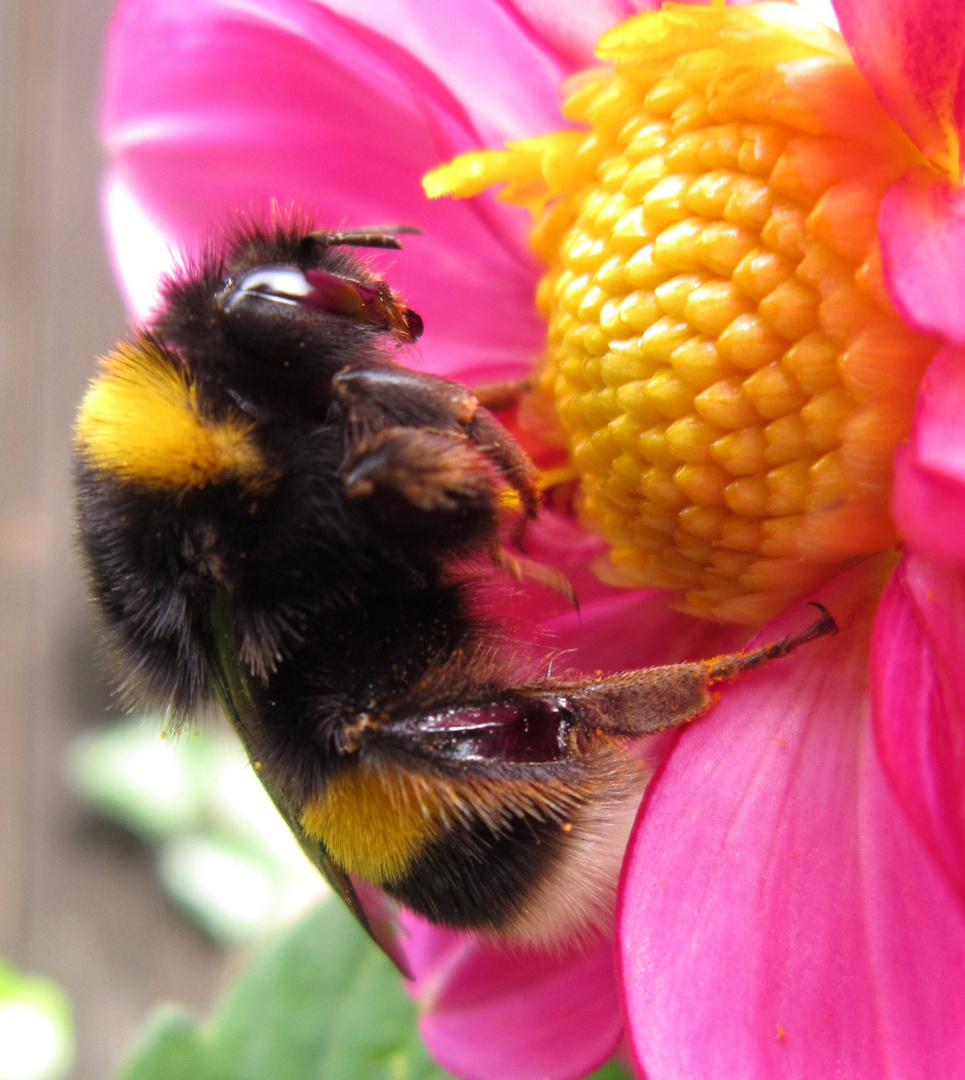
x=611, y=629
x=626, y=630
x=489, y=1012
x=140, y=253
x=511, y=66
x=780, y=917
x=912, y=52
x=572, y=30
x=918, y=697
x=929, y=495
x=280, y=100
x=922, y=228
x=507, y=76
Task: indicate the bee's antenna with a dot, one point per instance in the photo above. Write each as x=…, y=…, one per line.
x=378, y=236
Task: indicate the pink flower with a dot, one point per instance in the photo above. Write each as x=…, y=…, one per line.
x=793, y=901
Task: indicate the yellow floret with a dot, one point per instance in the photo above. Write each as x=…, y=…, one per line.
x=724, y=364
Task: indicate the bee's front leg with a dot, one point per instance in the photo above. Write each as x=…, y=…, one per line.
x=389, y=396
x=437, y=488
x=431, y=472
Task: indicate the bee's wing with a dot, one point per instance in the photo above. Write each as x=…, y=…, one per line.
x=370, y=909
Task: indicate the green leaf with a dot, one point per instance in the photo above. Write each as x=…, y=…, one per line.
x=170, y=1047
x=319, y=1003
x=612, y=1070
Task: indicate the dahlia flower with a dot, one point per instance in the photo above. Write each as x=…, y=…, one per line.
x=746, y=241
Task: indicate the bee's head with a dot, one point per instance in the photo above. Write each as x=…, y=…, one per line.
x=251, y=333
x=276, y=313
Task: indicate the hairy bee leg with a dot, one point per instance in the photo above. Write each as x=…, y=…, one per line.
x=499, y=396
x=523, y=569
x=376, y=398
x=439, y=472
x=722, y=668
x=643, y=702
x=432, y=471
x=507, y=455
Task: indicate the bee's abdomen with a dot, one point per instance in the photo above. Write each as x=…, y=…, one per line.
x=473, y=877
x=426, y=842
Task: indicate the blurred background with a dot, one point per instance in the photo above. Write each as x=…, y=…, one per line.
x=80, y=901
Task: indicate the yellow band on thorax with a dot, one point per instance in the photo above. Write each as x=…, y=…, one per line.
x=140, y=422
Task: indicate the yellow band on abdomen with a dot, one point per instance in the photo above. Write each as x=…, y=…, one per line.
x=373, y=822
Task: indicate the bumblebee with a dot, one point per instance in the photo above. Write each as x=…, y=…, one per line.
x=279, y=517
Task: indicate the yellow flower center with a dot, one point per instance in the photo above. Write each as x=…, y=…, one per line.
x=723, y=362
